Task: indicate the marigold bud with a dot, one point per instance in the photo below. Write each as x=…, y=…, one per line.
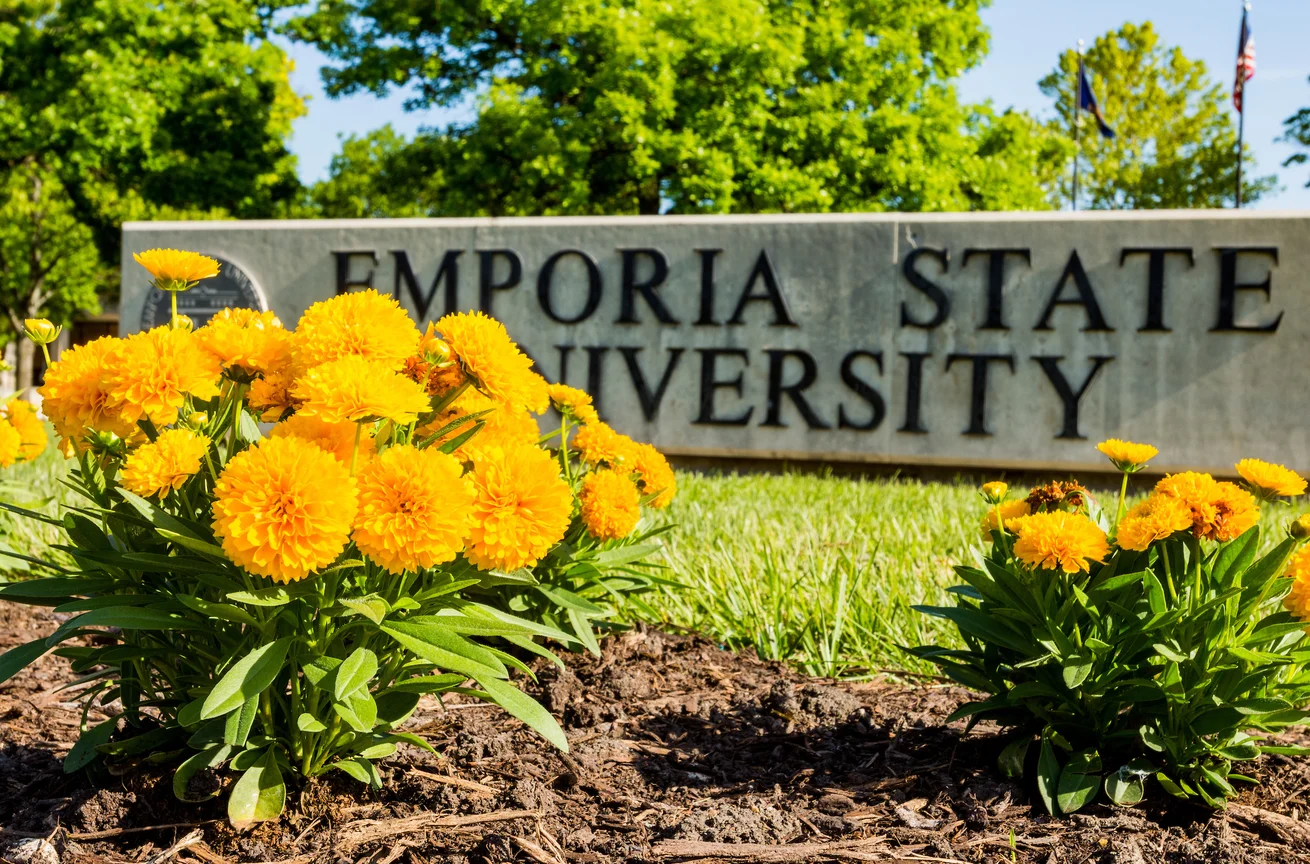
x=1300, y=529
x=995, y=491
x=198, y=420
x=41, y=330
x=105, y=443
x=183, y=323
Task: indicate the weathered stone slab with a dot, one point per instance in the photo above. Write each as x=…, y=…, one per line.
x=990, y=340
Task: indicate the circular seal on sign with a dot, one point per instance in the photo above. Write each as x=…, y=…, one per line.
x=232, y=288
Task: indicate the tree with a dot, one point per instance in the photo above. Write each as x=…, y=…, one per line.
x=111, y=111
x=1176, y=142
x=647, y=106
x=1296, y=130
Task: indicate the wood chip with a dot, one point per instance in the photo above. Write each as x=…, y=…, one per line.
x=471, y=785
x=369, y=830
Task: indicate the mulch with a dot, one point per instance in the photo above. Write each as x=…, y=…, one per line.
x=681, y=751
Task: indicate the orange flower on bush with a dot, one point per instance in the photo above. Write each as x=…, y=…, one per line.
x=1220, y=511
x=152, y=373
x=355, y=389
x=599, y=444
x=76, y=392
x=1009, y=510
x=284, y=508
x=1297, y=600
x=1235, y=513
x=503, y=425
x=165, y=463
x=11, y=444
x=31, y=431
x=1271, y=481
x=336, y=438
x=574, y=403
x=522, y=507
x=413, y=509
x=655, y=475
x=1059, y=541
x=1156, y=518
x=360, y=324
x=174, y=269
x=610, y=504
x=496, y=365
x=1126, y=455
x=246, y=341
x=270, y=396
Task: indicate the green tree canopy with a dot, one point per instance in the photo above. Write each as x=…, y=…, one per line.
x=1296, y=130
x=638, y=106
x=111, y=111
x=1176, y=139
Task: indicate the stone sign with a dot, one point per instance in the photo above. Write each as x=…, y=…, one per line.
x=971, y=340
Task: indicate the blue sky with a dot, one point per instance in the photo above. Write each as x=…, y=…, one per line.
x=1027, y=36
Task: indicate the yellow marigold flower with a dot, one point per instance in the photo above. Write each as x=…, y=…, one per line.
x=270, y=395
x=284, y=508
x=11, y=444
x=1009, y=510
x=1059, y=541
x=1297, y=600
x=610, y=504
x=522, y=508
x=413, y=509
x=1271, y=481
x=504, y=426
x=336, y=438
x=76, y=393
x=994, y=491
x=496, y=365
x=245, y=340
x=1127, y=456
x=1220, y=511
x=363, y=324
x=655, y=475
x=574, y=403
x=31, y=431
x=357, y=390
x=1156, y=518
x=175, y=270
x=599, y=444
x=152, y=373
x=165, y=463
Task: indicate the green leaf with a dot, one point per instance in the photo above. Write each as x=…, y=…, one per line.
x=1076, y=668
x=84, y=751
x=1048, y=776
x=1011, y=760
x=248, y=429
x=373, y=608
x=223, y=611
x=427, y=684
x=1126, y=786
x=258, y=795
x=969, y=709
x=319, y=672
x=210, y=758
x=359, y=710
x=1079, y=780
x=15, y=660
x=625, y=555
x=247, y=678
x=1261, y=706
x=378, y=750
x=524, y=707
x=309, y=723
x=395, y=706
x=61, y=587
x=236, y=728
x=1167, y=784
x=411, y=738
x=582, y=627
x=355, y=672
x=446, y=649
x=568, y=600
x=277, y=595
x=361, y=769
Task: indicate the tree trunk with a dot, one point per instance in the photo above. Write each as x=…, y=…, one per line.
x=24, y=373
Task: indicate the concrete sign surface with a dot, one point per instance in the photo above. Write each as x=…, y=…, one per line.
x=977, y=340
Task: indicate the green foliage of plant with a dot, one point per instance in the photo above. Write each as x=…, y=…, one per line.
x=35, y=485
x=113, y=111
x=1165, y=664
x=1176, y=137
x=639, y=106
x=1296, y=131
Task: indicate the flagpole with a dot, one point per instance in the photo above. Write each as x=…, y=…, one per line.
x=1241, y=111
x=1077, y=116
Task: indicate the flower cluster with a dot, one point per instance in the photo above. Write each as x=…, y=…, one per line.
x=22, y=434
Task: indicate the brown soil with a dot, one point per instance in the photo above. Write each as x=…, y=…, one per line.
x=680, y=751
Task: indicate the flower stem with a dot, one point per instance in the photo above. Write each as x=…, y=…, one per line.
x=354, y=452
x=172, y=322
x=1123, y=493
x=45, y=349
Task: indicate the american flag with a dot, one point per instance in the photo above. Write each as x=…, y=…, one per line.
x=1245, y=62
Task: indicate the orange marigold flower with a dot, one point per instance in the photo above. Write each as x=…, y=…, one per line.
x=245, y=340
x=1156, y=518
x=1297, y=600
x=437, y=379
x=284, y=508
x=503, y=425
x=599, y=444
x=1220, y=511
x=496, y=365
x=336, y=438
x=363, y=323
x=358, y=390
x=1127, y=456
x=655, y=475
x=165, y=463
x=31, y=431
x=174, y=269
x=1059, y=541
x=610, y=504
x=76, y=393
x=1010, y=510
x=11, y=444
x=522, y=507
x=1271, y=481
x=572, y=402
x=152, y=373
x=1056, y=495
x=270, y=396
x=413, y=509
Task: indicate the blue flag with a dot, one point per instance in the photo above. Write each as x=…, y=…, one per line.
x=1087, y=101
